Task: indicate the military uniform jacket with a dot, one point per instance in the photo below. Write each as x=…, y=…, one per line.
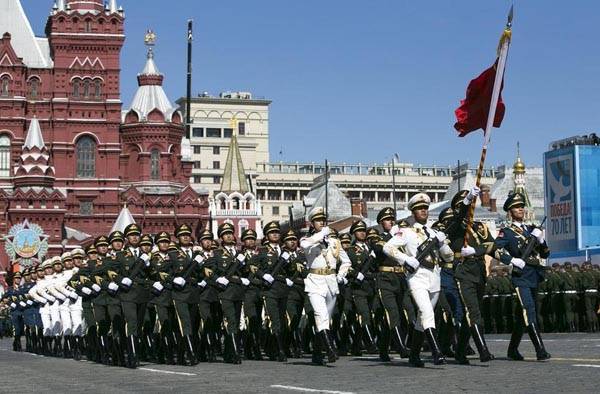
x=160, y=271
x=250, y=271
x=180, y=262
x=296, y=270
x=105, y=269
x=83, y=278
x=208, y=293
x=391, y=281
x=512, y=239
x=362, y=261
x=139, y=291
x=220, y=265
x=267, y=261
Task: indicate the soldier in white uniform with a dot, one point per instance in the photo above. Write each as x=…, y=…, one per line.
x=424, y=273
x=58, y=310
x=40, y=294
x=323, y=253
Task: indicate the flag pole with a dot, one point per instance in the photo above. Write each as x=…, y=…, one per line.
x=502, y=55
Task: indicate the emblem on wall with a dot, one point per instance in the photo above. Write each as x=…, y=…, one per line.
x=26, y=241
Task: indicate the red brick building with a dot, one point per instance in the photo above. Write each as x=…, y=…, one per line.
x=88, y=156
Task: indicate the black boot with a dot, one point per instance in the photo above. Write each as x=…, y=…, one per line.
x=105, y=353
x=317, y=352
x=58, y=350
x=17, y=343
x=414, y=357
x=296, y=344
x=536, y=339
x=118, y=351
x=281, y=356
x=513, y=346
x=329, y=349
x=132, y=358
x=235, y=355
x=400, y=342
x=76, y=344
x=383, y=343
x=190, y=356
x=436, y=352
x=484, y=353
x=369, y=340
x=460, y=355
x=67, y=347
x=28, y=345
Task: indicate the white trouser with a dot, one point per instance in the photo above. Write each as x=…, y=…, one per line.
x=55, y=316
x=46, y=319
x=76, y=311
x=424, y=288
x=65, y=317
x=323, y=307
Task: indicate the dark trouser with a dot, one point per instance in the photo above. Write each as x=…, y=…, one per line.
x=186, y=313
x=590, y=310
x=469, y=297
x=134, y=317
x=107, y=315
x=232, y=311
x=294, y=308
x=16, y=318
x=276, y=312
x=88, y=315
x=525, y=311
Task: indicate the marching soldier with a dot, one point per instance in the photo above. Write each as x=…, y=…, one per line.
x=209, y=306
x=321, y=284
x=590, y=288
x=569, y=288
x=425, y=250
x=13, y=294
x=526, y=275
x=252, y=299
x=271, y=263
x=225, y=266
x=83, y=282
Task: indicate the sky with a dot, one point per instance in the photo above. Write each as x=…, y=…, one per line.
x=357, y=81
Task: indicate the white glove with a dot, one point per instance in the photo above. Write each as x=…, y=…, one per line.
x=146, y=259
x=285, y=256
x=222, y=280
x=202, y=284
x=86, y=290
x=372, y=254
x=269, y=278
x=467, y=251
x=245, y=282
x=113, y=286
x=179, y=281
x=73, y=296
x=158, y=286
x=474, y=192
x=23, y=304
x=60, y=297
x=517, y=262
x=51, y=298
x=199, y=259
x=44, y=301
x=289, y=282
x=126, y=282
x=96, y=288
x=394, y=230
x=29, y=302
x=441, y=237
x=13, y=305
x=326, y=231
x=241, y=257
x=342, y=281
x=539, y=234
x=360, y=276
x=412, y=262
x=196, y=248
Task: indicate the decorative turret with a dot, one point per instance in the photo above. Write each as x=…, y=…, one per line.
x=519, y=171
x=34, y=167
x=234, y=176
x=86, y=5
x=125, y=219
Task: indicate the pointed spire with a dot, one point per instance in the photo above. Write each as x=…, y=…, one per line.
x=60, y=5
x=234, y=176
x=34, y=136
x=112, y=7
x=150, y=67
x=125, y=219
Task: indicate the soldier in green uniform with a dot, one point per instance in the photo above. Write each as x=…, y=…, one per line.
x=85, y=281
x=569, y=289
x=391, y=289
x=506, y=305
x=252, y=298
x=590, y=289
x=361, y=282
x=297, y=300
x=226, y=267
x=271, y=263
x=208, y=302
x=185, y=269
x=342, y=323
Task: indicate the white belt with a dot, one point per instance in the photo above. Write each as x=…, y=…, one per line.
x=571, y=292
x=542, y=292
x=591, y=291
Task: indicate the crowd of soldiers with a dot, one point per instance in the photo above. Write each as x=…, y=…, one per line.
x=397, y=287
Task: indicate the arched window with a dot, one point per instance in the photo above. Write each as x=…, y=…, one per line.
x=76, y=85
x=155, y=165
x=34, y=86
x=4, y=86
x=97, y=88
x=86, y=88
x=86, y=157
x=4, y=156
x=88, y=25
x=235, y=203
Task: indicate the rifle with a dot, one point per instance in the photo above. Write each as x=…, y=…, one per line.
x=425, y=254
x=231, y=270
x=527, y=250
x=366, y=265
x=140, y=264
x=280, y=264
x=191, y=267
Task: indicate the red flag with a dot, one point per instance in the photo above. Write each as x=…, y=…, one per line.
x=474, y=109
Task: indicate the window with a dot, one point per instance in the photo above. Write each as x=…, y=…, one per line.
x=76, y=85
x=197, y=149
x=198, y=132
x=197, y=179
x=216, y=165
x=274, y=195
x=216, y=150
x=216, y=179
x=86, y=157
x=4, y=156
x=86, y=88
x=86, y=208
x=155, y=165
x=275, y=210
x=197, y=165
x=88, y=26
x=97, y=88
x=213, y=133
x=4, y=86
x=227, y=133
x=242, y=128
x=34, y=86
